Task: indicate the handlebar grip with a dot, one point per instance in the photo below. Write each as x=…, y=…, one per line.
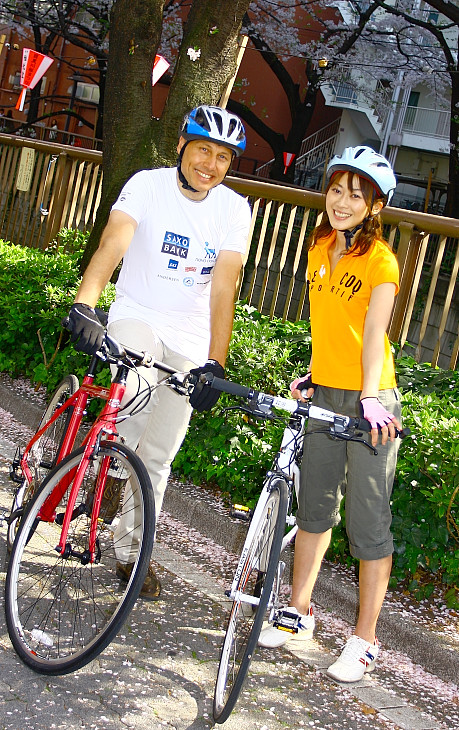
x=226, y=386
x=364, y=425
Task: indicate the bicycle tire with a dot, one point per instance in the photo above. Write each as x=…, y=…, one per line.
x=60, y=612
x=43, y=454
x=245, y=623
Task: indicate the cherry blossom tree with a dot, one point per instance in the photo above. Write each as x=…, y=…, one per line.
x=401, y=43
x=430, y=51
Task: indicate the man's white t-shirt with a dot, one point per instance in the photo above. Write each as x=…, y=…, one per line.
x=166, y=274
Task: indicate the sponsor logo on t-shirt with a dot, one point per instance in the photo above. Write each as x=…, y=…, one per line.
x=188, y=281
x=190, y=268
x=176, y=245
x=210, y=252
x=206, y=269
x=173, y=264
x=322, y=271
x=168, y=278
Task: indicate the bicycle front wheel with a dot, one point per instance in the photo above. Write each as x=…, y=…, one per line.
x=246, y=616
x=43, y=454
x=63, y=610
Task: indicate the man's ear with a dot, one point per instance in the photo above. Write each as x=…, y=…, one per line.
x=180, y=143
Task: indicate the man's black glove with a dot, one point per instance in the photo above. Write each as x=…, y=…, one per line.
x=203, y=397
x=86, y=331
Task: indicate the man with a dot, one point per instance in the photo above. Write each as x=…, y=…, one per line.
x=182, y=238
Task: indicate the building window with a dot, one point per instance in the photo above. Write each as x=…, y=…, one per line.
x=86, y=92
x=15, y=80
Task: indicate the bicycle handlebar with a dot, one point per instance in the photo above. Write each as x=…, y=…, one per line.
x=265, y=402
x=261, y=403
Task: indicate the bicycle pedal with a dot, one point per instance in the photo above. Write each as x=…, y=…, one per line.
x=286, y=621
x=241, y=512
x=14, y=476
x=15, y=466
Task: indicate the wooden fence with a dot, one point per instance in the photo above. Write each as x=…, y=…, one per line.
x=45, y=187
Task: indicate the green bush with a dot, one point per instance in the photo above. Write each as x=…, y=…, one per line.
x=230, y=452
x=427, y=475
x=37, y=289
x=222, y=447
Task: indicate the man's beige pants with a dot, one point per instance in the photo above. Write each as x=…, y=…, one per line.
x=156, y=432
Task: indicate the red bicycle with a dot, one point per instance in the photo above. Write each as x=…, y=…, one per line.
x=63, y=601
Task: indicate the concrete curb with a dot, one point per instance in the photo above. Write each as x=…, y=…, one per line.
x=396, y=631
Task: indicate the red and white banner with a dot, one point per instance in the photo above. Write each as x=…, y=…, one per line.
x=34, y=66
x=160, y=67
x=288, y=159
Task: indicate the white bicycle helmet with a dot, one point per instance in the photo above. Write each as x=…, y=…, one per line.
x=368, y=163
x=215, y=124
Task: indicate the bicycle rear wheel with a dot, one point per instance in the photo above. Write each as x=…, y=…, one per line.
x=62, y=611
x=246, y=619
x=42, y=456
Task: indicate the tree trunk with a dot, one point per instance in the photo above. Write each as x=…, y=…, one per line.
x=213, y=29
x=132, y=140
x=301, y=119
x=452, y=198
x=135, y=32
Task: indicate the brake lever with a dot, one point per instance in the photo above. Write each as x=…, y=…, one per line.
x=351, y=436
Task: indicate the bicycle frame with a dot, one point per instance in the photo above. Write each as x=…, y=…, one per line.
x=78, y=401
x=287, y=468
x=105, y=425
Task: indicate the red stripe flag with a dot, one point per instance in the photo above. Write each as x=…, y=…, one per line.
x=160, y=67
x=288, y=159
x=34, y=66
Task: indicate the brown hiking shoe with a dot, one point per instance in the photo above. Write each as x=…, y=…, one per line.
x=110, y=498
x=151, y=588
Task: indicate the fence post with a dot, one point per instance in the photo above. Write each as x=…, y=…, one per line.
x=407, y=255
x=58, y=197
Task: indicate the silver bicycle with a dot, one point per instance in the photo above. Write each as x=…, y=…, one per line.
x=256, y=587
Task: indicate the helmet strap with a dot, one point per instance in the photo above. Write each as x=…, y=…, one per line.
x=349, y=235
x=183, y=181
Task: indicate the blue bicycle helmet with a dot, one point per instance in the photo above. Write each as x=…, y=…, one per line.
x=217, y=125
x=368, y=163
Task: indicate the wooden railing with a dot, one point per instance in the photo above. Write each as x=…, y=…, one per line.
x=58, y=186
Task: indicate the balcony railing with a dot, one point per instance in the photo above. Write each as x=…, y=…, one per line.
x=428, y=122
x=360, y=93
x=45, y=187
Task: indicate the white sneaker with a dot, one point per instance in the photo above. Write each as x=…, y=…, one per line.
x=357, y=657
x=288, y=624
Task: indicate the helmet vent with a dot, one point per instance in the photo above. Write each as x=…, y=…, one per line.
x=218, y=122
x=202, y=120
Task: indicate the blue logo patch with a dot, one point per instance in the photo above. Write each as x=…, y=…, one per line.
x=173, y=264
x=176, y=245
x=206, y=269
x=188, y=281
x=210, y=252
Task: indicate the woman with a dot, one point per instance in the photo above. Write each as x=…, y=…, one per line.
x=353, y=279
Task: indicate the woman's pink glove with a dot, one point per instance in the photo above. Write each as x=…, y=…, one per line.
x=375, y=413
x=304, y=382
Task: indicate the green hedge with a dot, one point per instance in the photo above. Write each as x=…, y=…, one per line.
x=36, y=291
x=229, y=452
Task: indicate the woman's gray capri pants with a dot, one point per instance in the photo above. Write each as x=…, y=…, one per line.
x=332, y=469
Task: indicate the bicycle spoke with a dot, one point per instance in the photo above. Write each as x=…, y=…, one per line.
x=246, y=617
x=62, y=612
